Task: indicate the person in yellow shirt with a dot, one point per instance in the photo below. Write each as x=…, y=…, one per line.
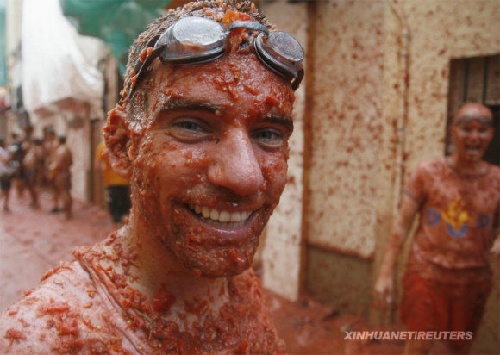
x=118, y=195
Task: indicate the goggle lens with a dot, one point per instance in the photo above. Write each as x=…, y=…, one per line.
x=282, y=53
x=191, y=40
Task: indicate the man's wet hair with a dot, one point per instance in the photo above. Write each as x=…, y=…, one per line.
x=212, y=9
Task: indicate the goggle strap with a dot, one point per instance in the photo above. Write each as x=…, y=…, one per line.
x=296, y=82
x=249, y=25
x=141, y=67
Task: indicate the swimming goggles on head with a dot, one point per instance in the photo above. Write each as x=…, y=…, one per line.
x=469, y=118
x=194, y=40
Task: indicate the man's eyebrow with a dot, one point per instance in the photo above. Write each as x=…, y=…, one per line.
x=183, y=104
x=282, y=120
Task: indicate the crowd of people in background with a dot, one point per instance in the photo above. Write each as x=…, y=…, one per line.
x=32, y=165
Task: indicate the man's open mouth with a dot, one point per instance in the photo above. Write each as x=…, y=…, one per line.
x=473, y=148
x=221, y=218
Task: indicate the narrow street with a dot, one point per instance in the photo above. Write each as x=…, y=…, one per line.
x=33, y=241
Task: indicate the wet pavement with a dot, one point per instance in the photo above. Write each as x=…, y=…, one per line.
x=32, y=241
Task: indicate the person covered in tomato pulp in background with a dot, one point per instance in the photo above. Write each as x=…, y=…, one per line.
x=31, y=164
x=49, y=147
x=60, y=170
x=17, y=152
x=202, y=133
x=117, y=187
x=6, y=174
x=447, y=278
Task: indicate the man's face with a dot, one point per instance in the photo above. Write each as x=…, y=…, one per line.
x=472, y=133
x=211, y=159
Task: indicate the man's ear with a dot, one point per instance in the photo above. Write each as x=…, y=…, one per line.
x=116, y=136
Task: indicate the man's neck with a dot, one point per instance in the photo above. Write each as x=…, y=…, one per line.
x=469, y=168
x=160, y=274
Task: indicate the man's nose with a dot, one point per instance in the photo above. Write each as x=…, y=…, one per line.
x=235, y=165
x=474, y=134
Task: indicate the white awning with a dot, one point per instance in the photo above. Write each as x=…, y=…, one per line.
x=58, y=64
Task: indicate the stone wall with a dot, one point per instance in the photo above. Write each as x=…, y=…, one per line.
x=282, y=255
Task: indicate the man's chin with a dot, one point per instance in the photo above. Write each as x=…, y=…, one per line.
x=222, y=262
x=230, y=272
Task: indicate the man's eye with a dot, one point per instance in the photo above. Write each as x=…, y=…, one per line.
x=269, y=137
x=189, y=129
x=188, y=125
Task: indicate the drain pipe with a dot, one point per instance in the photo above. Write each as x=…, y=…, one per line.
x=404, y=81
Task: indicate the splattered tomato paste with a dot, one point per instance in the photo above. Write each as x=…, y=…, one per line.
x=110, y=316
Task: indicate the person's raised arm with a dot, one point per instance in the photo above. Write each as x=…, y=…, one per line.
x=400, y=230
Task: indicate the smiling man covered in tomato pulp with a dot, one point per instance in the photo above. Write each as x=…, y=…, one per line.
x=202, y=133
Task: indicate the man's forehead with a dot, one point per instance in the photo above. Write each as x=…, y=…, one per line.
x=221, y=84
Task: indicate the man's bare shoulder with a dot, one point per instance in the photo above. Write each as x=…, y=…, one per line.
x=431, y=165
x=495, y=170
x=429, y=169
x=56, y=316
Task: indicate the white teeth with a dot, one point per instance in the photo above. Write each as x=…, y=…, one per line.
x=236, y=217
x=240, y=216
x=214, y=214
x=222, y=216
x=473, y=148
